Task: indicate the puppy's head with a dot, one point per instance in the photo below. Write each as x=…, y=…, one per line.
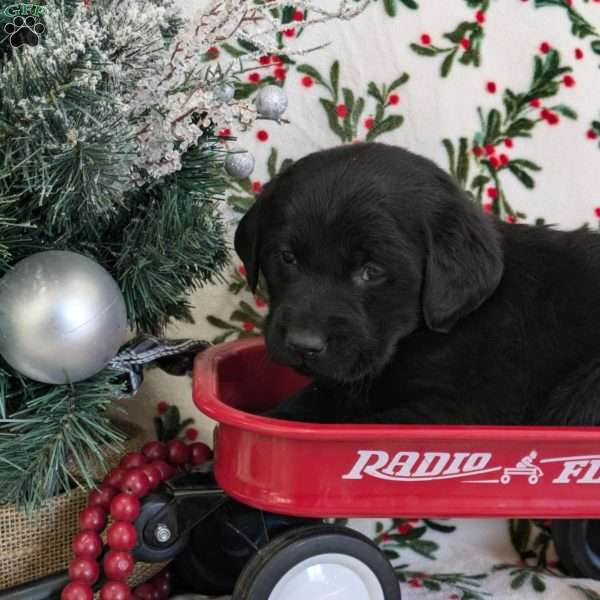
x=359, y=246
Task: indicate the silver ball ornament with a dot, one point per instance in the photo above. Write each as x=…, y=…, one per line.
x=62, y=317
x=239, y=164
x=271, y=102
x=224, y=93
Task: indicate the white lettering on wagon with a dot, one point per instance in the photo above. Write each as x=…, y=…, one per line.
x=426, y=466
x=577, y=469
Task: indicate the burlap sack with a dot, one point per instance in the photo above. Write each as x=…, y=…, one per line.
x=35, y=547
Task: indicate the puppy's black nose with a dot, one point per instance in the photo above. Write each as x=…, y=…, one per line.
x=305, y=342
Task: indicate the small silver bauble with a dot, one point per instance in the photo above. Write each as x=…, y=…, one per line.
x=224, y=93
x=239, y=164
x=62, y=317
x=271, y=102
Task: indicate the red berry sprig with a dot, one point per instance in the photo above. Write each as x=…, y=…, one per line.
x=119, y=495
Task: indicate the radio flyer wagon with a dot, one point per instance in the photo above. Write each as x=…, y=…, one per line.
x=252, y=520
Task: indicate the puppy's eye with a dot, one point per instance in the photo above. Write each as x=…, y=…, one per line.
x=288, y=257
x=371, y=273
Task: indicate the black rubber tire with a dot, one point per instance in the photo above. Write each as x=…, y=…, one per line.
x=269, y=565
x=577, y=543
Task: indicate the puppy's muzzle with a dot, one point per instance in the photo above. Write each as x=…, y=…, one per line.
x=306, y=343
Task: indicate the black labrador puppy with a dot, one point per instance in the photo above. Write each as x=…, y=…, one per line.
x=407, y=304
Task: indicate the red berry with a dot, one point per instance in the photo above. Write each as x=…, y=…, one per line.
x=568, y=81
x=125, y=507
x=200, y=453
x=477, y=151
x=254, y=77
x=165, y=469
x=178, y=452
x=277, y=59
x=298, y=15
x=191, y=433
x=102, y=496
x=480, y=17
x=153, y=475
x=262, y=135
x=114, y=477
x=121, y=535
x=145, y=591
x=76, y=590
x=578, y=53
x=290, y=32
x=118, y=565
x=265, y=59
x=490, y=149
x=393, y=99
x=157, y=450
x=597, y=211
x=212, y=52
x=85, y=570
x=544, y=47
x=260, y=303
x=136, y=482
x=492, y=192
x=535, y=103
x=307, y=81
x=162, y=407
x=115, y=590
x=553, y=118
x=508, y=142
x=256, y=186
x=280, y=73
x=504, y=160
x=93, y=518
x=494, y=162
x=247, y=326
x=242, y=270
x=511, y=219
x=225, y=132
x=369, y=122
x=490, y=86
x=87, y=544
x=404, y=528
x=133, y=460
x=465, y=43
x=425, y=39
x=487, y=207
x=341, y=110
x=591, y=134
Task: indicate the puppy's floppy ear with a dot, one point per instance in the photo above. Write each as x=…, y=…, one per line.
x=464, y=262
x=247, y=243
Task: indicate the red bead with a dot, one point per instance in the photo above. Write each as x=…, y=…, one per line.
x=490, y=86
x=254, y=77
x=578, y=53
x=307, y=81
x=153, y=475
x=247, y=326
x=191, y=433
x=465, y=43
x=480, y=17
x=426, y=39
x=494, y=162
x=341, y=110
x=178, y=452
x=102, y=496
x=492, y=192
x=535, y=103
x=591, y=134
x=553, y=118
x=145, y=591
x=115, y=590
x=125, y=507
x=87, y=544
x=262, y=135
x=200, y=453
x=133, y=460
x=490, y=149
x=290, y=32
x=369, y=122
x=118, y=565
x=212, y=52
x=76, y=590
x=478, y=151
x=504, y=160
x=568, y=81
x=544, y=47
x=114, y=477
x=121, y=535
x=136, y=482
x=165, y=469
x=85, y=570
x=298, y=15
x=157, y=450
x=264, y=60
x=92, y=517
x=260, y=303
x=393, y=99
x=280, y=73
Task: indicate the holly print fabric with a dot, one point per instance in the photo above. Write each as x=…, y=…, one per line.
x=504, y=94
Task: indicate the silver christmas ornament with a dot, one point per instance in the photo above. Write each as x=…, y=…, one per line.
x=271, y=102
x=224, y=93
x=239, y=164
x=62, y=317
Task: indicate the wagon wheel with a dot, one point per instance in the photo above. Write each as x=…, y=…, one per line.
x=318, y=562
x=577, y=544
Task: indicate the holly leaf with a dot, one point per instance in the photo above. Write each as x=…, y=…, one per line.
x=390, y=554
x=492, y=129
x=538, y=583
x=432, y=585
x=423, y=50
x=450, y=152
x=233, y=51
x=425, y=548
x=520, y=127
x=287, y=14
x=447, y=63
x=272, y=163
x=459, y=33
x=373, y=91
x=462, y=164
x=399, y=81
x=334, y=77
x=332, y=117
x=439, y=526
x=359, y=106
x=216, y=322
x=522, y=176
x=390, y=7
x=526, y=164
x=312, y=72
x=565, y=110
x=479, y=181
x=249, y=46
x=410, y=4
x=595, y=46
x=519, y=580
x=388, y=124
